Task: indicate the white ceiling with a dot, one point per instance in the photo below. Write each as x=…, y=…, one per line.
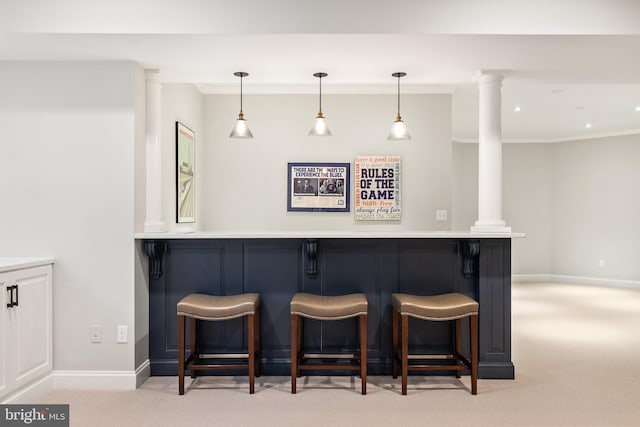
x=561, y=80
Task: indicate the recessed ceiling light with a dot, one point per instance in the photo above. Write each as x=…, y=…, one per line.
x=638, y=108
x=517, y=109
x=588, y=125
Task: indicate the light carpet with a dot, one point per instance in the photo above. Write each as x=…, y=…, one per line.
x=575, y=349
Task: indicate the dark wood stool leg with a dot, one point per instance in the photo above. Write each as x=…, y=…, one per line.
x=258, y=360
x=181, y=326
x=300, y=339
x=252, y=351
x=405, y=352
x=458, y=350
x=363, y=352
x=394, y=352
x=473, y=325
x=294, y=352
x=192, y=344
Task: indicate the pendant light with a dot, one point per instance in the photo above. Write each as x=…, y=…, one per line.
x=320, y=127
x=398, y=129
x=241, y=130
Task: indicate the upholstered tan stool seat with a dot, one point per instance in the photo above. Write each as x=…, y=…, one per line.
x=217, y=308
x=321, y=307
x=444, y=307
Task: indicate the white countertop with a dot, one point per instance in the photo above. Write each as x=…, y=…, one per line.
x=330, y=235
x=9, y=264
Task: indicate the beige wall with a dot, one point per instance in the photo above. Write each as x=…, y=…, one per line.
x=596, y=208
x=244, y=181
x=574, y=200
x=181, y=103
x=67, y=188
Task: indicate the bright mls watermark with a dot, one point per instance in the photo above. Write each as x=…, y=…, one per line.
x=34, y=415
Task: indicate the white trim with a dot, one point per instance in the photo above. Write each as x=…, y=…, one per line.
x=553, y=140
x=10, y=264
x=143, y=373
x=531, y=278
x=329, y=89
x=31, y=393
x=595, y=281
x=331, y=235
x=102, y=380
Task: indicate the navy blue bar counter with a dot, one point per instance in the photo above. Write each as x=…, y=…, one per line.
x=278, y=267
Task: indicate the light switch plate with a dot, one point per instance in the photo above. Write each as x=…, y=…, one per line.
x=122, y=333
x=441, y=215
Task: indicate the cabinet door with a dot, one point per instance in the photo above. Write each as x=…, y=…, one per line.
x=30, y=323
x=4, y=315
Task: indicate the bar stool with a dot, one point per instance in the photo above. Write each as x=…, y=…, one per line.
x=451, y=306
x=217, y=308
x=327, y=308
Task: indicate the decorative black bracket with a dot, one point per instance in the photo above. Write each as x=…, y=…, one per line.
x=155, y=249
x=312, y=252
x=470, y=251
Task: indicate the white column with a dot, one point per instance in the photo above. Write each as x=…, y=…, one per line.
x=153, y=219
x=490, y=156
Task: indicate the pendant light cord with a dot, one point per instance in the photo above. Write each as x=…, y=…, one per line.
x=398, y=95
x=320, y=78
x=241, y=92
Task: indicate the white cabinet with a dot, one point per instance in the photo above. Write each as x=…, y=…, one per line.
x=25, y=324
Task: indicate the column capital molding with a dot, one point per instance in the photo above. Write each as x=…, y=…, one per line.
x=487, y=77
x=152, y=75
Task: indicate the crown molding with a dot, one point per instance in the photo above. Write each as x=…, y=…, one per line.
x=333, y=89
x=553, y=140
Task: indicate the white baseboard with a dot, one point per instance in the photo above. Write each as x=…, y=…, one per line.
x=31, y=393
x=595, y=281
x=613, y=283
x=102, y=380
x=531, y=278
x=98, y=380
x=143, y=373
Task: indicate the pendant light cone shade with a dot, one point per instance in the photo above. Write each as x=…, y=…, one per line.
x=241, y=129
x=320, y=127
x=398, y=129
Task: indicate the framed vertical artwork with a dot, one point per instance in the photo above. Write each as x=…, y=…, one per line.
x=185, y=160
x=318, y=187
x=377, y=187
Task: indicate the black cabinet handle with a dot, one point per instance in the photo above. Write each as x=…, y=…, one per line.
x=10, y=290
x=13, y=296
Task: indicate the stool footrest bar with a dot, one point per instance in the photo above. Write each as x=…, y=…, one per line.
x=437, y=367
x=330, y=356
x=432, y=356
x=199, y=367
x=223, y=356
x=331, y=367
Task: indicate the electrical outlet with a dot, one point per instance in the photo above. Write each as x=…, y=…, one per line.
x=95, y=334
x=122, y=333
x=441, y=215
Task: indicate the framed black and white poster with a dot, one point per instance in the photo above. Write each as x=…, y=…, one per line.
x=318, y=187
x=185, y=159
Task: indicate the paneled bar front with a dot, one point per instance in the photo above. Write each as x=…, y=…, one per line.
x=277, y=265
